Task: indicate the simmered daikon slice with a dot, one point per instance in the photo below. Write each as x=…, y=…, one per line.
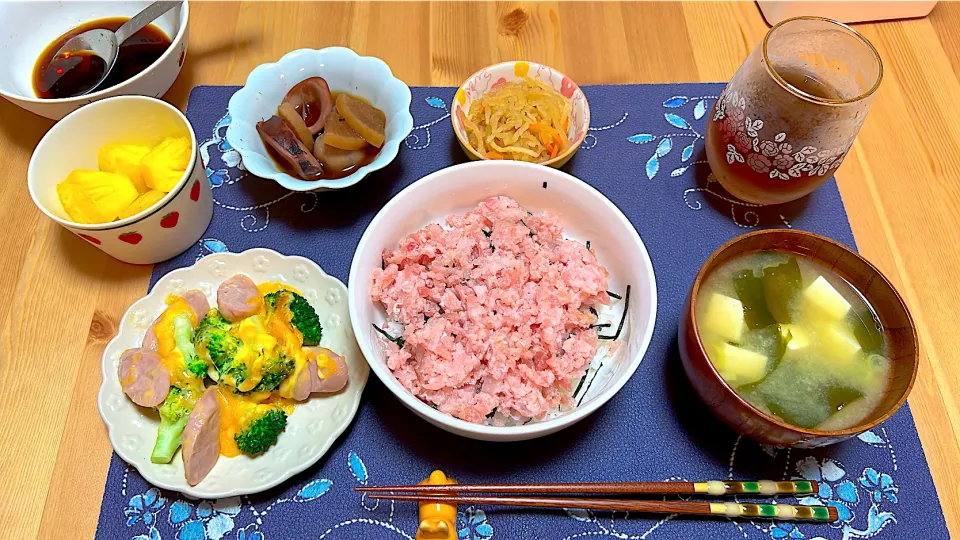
x=335, y=159
x=338, y=134
x=365, y=119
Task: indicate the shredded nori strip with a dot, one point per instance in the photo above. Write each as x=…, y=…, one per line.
x=486, y=232
x=602, y=325
x=579, y=386
x=594, y=311
x=588, y=245
x=493, y=412
x=626, y=308
x=587, y=391
x=615, y=295
x=383, y=264
x=399, y=341
x=529, y=230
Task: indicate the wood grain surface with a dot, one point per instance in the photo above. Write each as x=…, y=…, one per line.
x=60, y=298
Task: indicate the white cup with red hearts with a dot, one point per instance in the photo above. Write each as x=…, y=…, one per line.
x=164, y=230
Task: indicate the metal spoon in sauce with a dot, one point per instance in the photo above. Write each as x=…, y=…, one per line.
x=106, y=44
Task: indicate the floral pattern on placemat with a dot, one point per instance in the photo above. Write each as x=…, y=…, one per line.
x=878, y=482
x=865, y=502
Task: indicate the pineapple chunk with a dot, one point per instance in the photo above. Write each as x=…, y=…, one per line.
x=95, y=196
x=123, y=159
x=739, y=365
x=799, y=337
x=163, y=167
x=823, y=297
x=838, y=344
x=724, y=316
x=142, y=202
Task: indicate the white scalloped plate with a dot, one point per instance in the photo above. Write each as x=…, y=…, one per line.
x=312, y=428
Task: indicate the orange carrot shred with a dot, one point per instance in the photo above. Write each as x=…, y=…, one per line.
x=494, y=155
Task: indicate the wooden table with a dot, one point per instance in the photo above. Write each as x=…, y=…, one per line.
x=62, y=298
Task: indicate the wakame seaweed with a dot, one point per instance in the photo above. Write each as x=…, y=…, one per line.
x=781, y=284
x=750, y=291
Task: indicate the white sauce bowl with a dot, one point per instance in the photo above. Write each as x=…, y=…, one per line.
x=26, y=28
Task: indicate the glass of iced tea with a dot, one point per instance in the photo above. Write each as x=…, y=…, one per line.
x=786, y=120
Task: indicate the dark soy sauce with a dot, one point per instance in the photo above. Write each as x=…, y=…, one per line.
x=67, y=76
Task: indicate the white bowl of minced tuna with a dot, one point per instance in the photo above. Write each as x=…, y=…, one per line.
x=502, y=300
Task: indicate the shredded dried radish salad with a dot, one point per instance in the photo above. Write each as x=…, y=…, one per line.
x=493, y=316
x=525, y=120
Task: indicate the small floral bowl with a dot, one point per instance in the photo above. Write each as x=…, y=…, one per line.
x=166, y=229
x=345, y=71
x=491, y=78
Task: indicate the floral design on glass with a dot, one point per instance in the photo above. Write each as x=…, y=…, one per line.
x=776, y=157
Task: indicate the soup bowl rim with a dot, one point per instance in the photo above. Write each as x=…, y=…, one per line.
x=710, y=266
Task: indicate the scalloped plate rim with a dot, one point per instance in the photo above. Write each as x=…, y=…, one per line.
x=106, y=365
x=403, y=116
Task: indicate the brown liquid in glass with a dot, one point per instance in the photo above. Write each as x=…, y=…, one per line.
x=66, y=76
x=809, y=84
x=742, y=175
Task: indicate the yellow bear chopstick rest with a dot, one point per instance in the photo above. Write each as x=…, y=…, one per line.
x=438, y=521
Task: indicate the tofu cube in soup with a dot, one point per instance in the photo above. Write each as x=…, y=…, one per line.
x=740, y=365
x=724, y=316
x=838, y=344
x=828, y=301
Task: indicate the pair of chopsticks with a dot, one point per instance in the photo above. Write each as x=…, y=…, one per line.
x=539, y=495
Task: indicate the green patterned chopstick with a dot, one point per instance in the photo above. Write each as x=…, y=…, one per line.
x=715, y=488
x=697, y=508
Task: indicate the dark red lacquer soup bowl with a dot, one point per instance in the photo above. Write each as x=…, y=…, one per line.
x=728, y=406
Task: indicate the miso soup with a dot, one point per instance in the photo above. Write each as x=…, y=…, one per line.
x=794, y=339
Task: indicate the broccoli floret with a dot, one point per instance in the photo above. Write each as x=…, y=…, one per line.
x=300, y=314
x=174, y=413
x=274, y=371
x=183, y=336
x=217, y=345
x=262, y=430
x=198, y=367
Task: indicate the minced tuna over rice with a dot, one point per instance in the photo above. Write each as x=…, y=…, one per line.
x=494, y=311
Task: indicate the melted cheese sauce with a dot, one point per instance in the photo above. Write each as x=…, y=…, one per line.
x=170, y=356
x=264, y=336
x=236, y=410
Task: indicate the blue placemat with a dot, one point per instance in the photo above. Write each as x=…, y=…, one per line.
x=644, y=152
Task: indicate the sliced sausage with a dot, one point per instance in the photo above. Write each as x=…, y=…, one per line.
x=143, y=377
x=150, y=338
x=197, y=302
x=303, y=385
x=201, y=437
x=238, y=298
x=328, y=380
